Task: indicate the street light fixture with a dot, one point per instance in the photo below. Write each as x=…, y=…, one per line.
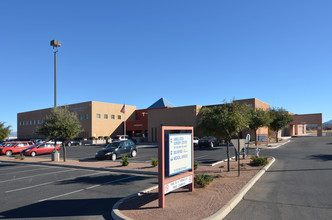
x=55, y=44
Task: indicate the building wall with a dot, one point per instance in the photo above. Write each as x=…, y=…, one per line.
x=87, y=115
x=179, y=116
x=108, y=126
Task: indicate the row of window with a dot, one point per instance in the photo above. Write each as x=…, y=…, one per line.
x=34, y=122
x=106, y=116
x=22, y=123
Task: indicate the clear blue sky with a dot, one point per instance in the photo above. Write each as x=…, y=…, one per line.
x=189, y=52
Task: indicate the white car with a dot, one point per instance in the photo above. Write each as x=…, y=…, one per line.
x=196, y=139
x=120, y=138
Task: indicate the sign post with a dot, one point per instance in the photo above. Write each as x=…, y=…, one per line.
x=176, y=159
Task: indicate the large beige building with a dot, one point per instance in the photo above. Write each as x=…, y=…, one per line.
x=101, y=119
x=97, y=119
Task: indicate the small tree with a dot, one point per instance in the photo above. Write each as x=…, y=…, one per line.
x=225, y=121
x=4, y=130
x=61, y=125
x=258, y=118
x=280, y=119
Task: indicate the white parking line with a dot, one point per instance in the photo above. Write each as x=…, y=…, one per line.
x=201, y=156
x=30, y=170
x=91, y=187
x=4, y=181
x=43, y=184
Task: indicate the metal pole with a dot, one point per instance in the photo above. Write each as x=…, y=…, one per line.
x=55, y=78
x=238, y=155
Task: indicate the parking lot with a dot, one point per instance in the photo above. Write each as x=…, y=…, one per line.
x=34, y=191
x=204, y=156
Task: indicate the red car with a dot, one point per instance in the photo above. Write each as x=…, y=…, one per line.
x=40, y=148
x=15, y=147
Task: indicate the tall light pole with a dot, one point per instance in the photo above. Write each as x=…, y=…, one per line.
x=55, y=44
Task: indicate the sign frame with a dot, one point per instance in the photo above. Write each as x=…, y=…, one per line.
x=162, y=180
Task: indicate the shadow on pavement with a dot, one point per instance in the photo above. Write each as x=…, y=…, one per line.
x=323, y=157
x=63, y=209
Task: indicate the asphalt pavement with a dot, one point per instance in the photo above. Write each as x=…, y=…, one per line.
x=297, y=185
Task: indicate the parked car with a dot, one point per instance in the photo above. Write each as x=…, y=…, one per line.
x=208, y=142
x=121, y=138
x=40, y=148
x=52, y=141
x=15, y=147
x=196, y=140
x=117, y=149
x=73, y=143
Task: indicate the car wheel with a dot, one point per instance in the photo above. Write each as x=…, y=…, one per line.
x=212, y=145
x=113, y=157
x=9, y=153
x=69, y=144
x=33, y=154
x=133, y=153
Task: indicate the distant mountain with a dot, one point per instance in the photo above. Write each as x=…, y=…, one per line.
x=13, y=134
x=328, y=122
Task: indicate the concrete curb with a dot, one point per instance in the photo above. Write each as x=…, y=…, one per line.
x=116, y=214
x=226, y=209
x=221, y=214
x=279, y=145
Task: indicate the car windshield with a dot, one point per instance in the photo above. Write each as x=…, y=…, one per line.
x=113, y=145
x=206, y=138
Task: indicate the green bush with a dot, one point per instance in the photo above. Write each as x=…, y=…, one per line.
x=92, y=138
x=154, y=162
x=125, y=160
x=258, y=161
x=21, y=157
x=195, y=165
x=202, y=180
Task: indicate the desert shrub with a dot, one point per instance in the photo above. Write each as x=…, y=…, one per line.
x=125, y=160
x=154, y=162
x=258, y=161
x=202, y=180
x=21, y=157
x=195, y=165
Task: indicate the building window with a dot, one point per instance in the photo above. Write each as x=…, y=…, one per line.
x=119, y=116
x=42, y=121
x=23, y=123
x=81, y=117
x=86, y=116
x=27, y=123
x=20, y=123
x=112, y=116
x=34, y=122
x=30, y=122
x=98, y=116
x=105, y=116
x=38, y=122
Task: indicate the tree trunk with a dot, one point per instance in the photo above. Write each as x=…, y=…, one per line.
x=228, y=168
x=277, y=136
x=255, y=138
x=64, y=152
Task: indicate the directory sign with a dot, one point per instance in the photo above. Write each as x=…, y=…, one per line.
x=169, y=187
x=180, y=153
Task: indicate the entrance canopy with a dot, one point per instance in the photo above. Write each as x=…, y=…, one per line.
x=308, y=119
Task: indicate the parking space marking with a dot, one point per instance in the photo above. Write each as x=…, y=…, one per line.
x=201, y=156
x=43, y=184
x=22, y=171
x=20, y=178
x=91, y=187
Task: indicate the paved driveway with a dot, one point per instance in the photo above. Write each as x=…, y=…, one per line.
x=297, y=186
